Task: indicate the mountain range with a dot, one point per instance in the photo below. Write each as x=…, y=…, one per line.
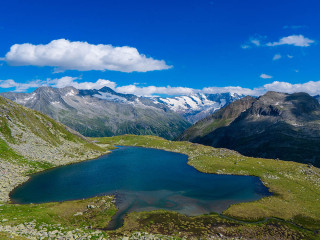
x=97, y=113
x=275, y=125
x=104, y=112
x=197, y=106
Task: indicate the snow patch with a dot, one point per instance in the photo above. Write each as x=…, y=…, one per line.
x=26, y=99
x=71, y=93
x=110, y=97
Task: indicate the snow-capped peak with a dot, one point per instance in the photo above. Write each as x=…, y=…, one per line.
x=196, y=106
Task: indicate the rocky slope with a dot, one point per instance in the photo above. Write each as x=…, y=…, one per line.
x=197, y=106
x=103, y=112
x=31, y=141
x=276, y=125
x=221, y=118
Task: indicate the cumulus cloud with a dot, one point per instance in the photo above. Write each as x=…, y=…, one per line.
x=265, y=76
x=20, y=87
x=65, y=55
x=71, y=81
x=276, y=57
x=153, y=90
x=233, y=89
x=312, y=87
x=57, y=82
x=295, y=40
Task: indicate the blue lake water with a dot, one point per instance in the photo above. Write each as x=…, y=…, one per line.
x=142, y=179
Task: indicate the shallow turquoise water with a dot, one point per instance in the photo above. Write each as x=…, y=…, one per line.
x=142, y=179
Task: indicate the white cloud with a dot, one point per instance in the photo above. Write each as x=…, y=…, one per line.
x=57, y=82
x=153, y=90
x=276, y=57
x=70, y=81
x=255, y=42
x=232, y=89
x=290, y=56
x=65, y=55
x=313, y=88
x=265, y=76
x=20, y=87
x=245, y=46
x=295, y=40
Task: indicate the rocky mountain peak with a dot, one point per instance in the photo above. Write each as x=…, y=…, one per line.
x=69, y=91
x=107, y=89
x=276, y=125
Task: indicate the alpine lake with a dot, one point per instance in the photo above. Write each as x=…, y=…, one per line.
x=142, y=179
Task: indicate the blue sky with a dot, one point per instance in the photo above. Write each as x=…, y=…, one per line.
x=256, y=45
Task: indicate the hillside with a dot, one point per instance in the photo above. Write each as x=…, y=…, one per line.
x=31, y=141
x=103, y=112
x=220, y=118
x=276, y=125
x=292, y=212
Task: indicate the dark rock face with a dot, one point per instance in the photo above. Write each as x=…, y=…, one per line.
x=104, y=112
x=276, y=125
x=220, y=118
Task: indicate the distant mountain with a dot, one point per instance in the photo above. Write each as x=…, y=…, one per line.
x=317, y=97
x=275, y=125
x=103, y=112
x=197, y=106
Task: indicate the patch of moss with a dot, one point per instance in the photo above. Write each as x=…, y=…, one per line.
x=210, y=225
x=87, y=213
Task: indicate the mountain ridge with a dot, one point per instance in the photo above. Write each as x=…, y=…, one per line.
x=276, y=125
x=103, y=112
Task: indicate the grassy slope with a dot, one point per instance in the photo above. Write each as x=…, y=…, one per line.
x=63, y=212
x=44, y=128
x=296, y=187
x=210, y=226
x=54, y=215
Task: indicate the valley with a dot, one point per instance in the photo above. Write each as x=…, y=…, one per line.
x=295, y=187
x=104, y=112
x=33, y=142
x=159, y=120
x=98, y=113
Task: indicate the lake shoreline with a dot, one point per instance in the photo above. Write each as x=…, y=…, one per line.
x=245, y=188
x=269, y=178
x=17, y=175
